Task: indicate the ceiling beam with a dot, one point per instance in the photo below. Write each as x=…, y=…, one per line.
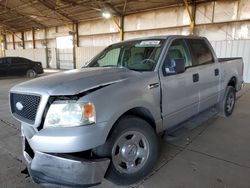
x=24, y=16
x=6, y=28
x=18, y=7
x=112, y=8
x=57, y=11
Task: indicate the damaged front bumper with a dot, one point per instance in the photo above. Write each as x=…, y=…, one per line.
x=64, y=169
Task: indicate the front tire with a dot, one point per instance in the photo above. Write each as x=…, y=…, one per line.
x=226, y=106
x=133, y=149
x=31, y=73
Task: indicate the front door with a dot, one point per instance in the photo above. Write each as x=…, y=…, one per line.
x=180, y=92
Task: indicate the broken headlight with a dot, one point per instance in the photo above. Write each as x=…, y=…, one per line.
x=70, y=114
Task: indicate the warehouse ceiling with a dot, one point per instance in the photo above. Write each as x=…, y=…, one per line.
x=21, y=15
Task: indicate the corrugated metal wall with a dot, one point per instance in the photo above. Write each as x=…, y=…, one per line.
x=85, y=54
x=226, y=23
x=235, y=48
x=33, y=54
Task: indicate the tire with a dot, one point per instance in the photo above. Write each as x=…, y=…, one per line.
x=226, y=106
x=31, y=73
x=133, y=149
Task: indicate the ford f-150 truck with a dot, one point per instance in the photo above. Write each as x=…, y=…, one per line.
x=102, y=120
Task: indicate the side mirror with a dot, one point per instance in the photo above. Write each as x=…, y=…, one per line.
x=177, y=67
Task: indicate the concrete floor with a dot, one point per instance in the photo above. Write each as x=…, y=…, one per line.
x=213, y=155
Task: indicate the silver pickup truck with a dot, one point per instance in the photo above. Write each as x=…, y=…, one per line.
x=102, y=120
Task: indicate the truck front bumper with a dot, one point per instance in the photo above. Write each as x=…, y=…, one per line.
x=64, y=169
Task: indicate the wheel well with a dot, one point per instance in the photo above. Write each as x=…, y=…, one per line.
x=232, y=82
x=140, y=112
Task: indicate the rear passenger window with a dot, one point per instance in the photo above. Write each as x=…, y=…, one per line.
x=18, y=61
x=201, y=51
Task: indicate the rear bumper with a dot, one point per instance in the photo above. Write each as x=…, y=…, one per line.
x=63, y=169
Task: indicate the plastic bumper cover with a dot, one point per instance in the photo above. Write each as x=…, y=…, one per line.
x=64, y=169
x=66, y=140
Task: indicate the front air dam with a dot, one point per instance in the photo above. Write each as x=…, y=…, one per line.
x=67, y=170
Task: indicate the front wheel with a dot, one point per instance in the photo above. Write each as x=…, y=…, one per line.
x=31, y=73
x=133, y=148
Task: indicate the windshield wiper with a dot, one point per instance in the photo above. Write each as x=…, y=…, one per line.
x=137, y=70
x=109, y=66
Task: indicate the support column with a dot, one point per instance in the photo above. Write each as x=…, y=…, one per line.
x=119, y=21
x=5, y=42
x=77, y=34
x=75, y=41
x=121, y=27
x=23, y=42
x=13, y=41
x=46, y=48
x=1, y=47
x=33, y=38
x=191, y=14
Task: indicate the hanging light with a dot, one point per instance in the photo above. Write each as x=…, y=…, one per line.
x=106, y=14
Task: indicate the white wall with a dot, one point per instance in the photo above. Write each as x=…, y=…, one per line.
x=33, y=54
x=218, y=21
x=84, y=54
x=235, y=48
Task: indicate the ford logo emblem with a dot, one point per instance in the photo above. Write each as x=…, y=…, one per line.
x=19, y=106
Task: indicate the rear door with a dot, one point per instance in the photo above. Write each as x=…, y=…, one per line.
x=18, y=66
x=180, y=92
x=209, y=72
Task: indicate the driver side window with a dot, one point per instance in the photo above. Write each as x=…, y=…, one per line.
x=177, y=51
x=109, y=59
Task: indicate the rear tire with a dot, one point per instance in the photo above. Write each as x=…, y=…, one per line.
x=133, y=149
x=31, y=73
x=226, y=106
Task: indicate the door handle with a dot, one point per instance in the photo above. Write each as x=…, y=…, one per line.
x=196, y=77
x=154, y=85
x=216, y=72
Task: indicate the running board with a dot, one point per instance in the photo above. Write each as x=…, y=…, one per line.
x=192, y=123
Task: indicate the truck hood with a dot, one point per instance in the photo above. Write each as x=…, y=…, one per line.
x=75, y=81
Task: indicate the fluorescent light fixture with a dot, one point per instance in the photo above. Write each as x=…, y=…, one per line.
x=106, y=15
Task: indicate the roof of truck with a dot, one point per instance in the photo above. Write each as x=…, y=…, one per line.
x=159, y=37
x=164, y=37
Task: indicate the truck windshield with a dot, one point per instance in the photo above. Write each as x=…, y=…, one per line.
x=140, y=55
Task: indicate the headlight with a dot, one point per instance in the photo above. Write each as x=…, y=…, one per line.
x=70, y=114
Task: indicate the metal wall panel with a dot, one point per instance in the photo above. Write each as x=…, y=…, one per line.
x=244, y=7
x=225, y=11
x=235, y=48
x=65, y=58
x=162, y=18
x=84, y=54
x=33, y=54
x=204, y=13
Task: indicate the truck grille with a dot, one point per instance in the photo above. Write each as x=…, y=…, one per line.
x=24, y=106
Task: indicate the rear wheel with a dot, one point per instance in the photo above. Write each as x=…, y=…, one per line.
x=226, y=106
x=31, y=73
x=133, y=149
